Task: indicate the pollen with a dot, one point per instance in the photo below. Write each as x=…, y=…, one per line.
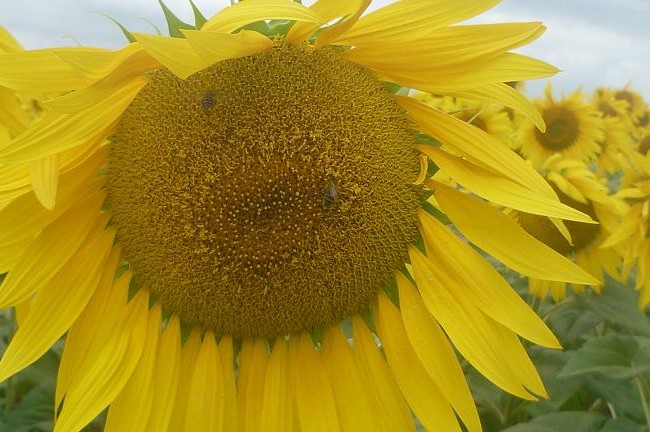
x=265, y=195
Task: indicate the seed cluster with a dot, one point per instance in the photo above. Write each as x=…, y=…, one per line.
x=562, y=128
x=267, y=194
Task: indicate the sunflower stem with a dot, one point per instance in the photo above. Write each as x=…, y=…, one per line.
x=641, y=388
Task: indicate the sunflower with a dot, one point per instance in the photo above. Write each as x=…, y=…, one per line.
x=618, y=131
x=631, y=236
x=577, y=186
x=573, y=129
x=227, y=221
x=636, y=107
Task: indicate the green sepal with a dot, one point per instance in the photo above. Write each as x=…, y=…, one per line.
x=174, y=23
x=390, y=288
x=153, y=26
x=129, y=36
x=427, y=207
x=396, y=89
x=199, y=18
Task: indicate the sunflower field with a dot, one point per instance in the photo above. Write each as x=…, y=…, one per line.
x=322, y=217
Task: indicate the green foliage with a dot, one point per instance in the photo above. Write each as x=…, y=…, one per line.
x=600, y=382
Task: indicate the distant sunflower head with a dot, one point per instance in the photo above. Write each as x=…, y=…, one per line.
x=618, y=130
x=573, y=129
x=215, y=214
x=635, y=105
x=578, y=187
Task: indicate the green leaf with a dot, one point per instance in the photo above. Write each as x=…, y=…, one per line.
x=174, y=23
x=33, y=412
x=619, y=305
x=199, y=18
x=622, y=395
x=622, y=425
x=572, y=321
x=573, y=421
x=615, y=356
x=125, y=31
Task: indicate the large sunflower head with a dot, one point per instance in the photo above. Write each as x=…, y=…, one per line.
x=578, y=187
x=573, y=129
x=261, y=181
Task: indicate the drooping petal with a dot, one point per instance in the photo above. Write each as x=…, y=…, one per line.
x=419, y=389
x=355, y=409
x=175, y=54
x=45, y=180
x=56, y=306
x=139, y=390
x=505, y=240
x=315, y=406
x=109, y=365
x=189, y=354
x=436, y=354
x=378, y=379
x=253, y=360
x=214, y=47
x=334, y=31
x=242, y=13
x=471, y=331
x=166, y=373
x=483, y=286
x=277, y=401
x=327, y=10
x=409, y=19
x=104, y=304
x=206, y=398
x=57, y=132
x=226, y=353
x=499, y=189
x=50, y=251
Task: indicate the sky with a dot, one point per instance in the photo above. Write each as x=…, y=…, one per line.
x=594, y=42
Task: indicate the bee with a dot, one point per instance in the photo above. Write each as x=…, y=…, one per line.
x=331, y=192
x=207, y=100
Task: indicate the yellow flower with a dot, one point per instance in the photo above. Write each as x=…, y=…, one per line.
x=579, y=188
x=217, y=215
x=636, y=107
x=618, y=131
x=573, y=129
x=631, y=236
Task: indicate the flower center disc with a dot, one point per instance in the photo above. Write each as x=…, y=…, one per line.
x=562, y=128
x=267, y=194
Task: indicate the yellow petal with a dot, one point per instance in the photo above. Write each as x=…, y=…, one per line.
x=487, y=345
x=457, y=47
x=478, y=146
x=175, y=54
x=166, y=373
x=508, y=96
x=355, y=409
x=45, y=179
x=105, y=302
x=129, y=68
x=277, y=403
x=24, y=217
x=214, y=47
x=94, y=63
x=505, y=240
x=189, y=354
x=253, y=359
x=57, y=132
x=242, y=13
x=226, y=352
x=436, y=354
x=334, y=31
x=461, y=77
x=480, y=283
x=11, y=253
x=328, y=10
x=39, y=71
x=206, y=399
x=7, y=42
x=50, y=251
x=422, y=393
x=378, y=379
x=109, y=366
x=314, y=398
x=139, y=390
x=499, y=189
x=51, y=314
x=410, y=19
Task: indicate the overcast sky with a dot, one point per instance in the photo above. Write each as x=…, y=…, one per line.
x=594, y=42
